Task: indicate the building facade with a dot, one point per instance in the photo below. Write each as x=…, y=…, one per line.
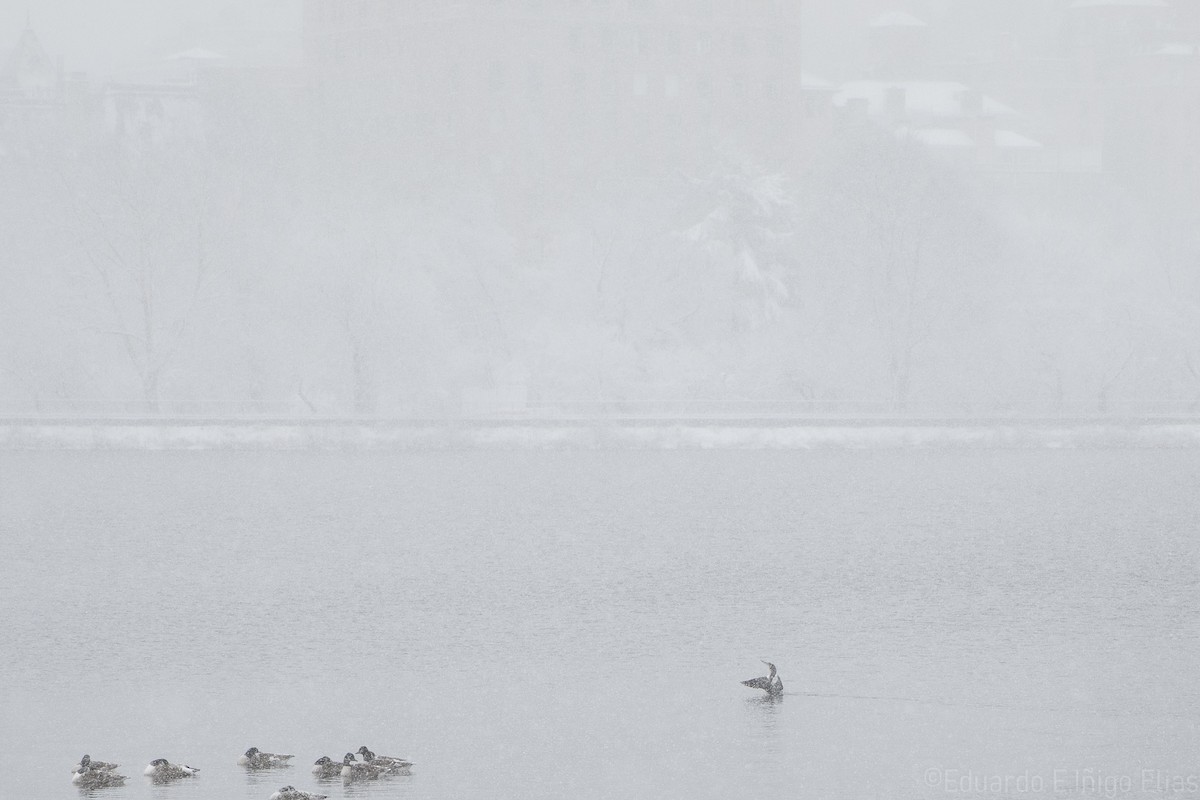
x=40, y=103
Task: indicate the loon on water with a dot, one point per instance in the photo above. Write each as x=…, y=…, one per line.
x=771, y=684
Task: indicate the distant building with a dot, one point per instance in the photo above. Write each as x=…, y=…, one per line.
x=1152, y=118
x=40, y=104
x=201, y=96
x=1105, y=85
x=912, y=97
x=29, y=75
x=161, y=104
x=1138, y=68
x=948, y=117
x=564, y=81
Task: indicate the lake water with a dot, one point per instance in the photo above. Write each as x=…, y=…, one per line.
x=576, y=624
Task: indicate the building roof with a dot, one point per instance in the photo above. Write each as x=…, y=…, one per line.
x=956, y=138
x=947, y=99
x=1014, y=140
x=897, y=19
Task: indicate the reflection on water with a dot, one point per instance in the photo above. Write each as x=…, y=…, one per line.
x=106, y=791
x=546, y=625
x=370, y=787
x=262, y=782
x=766, y=710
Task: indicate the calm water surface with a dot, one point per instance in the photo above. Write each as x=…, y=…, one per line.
x=575, y=625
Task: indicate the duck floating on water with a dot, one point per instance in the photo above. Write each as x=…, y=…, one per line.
x=86, y=763
x=162, y=770
x=771, y=684
x=95, y=778
x=358, y=770
x=383, y=761
x=292, y=793
x=257, y=759
x=326, y=767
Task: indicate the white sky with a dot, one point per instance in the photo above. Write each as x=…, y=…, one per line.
x=104, y=36
x=101, y=36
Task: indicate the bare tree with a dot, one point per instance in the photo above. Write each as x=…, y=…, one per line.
x=907, y=243
x=142, y=225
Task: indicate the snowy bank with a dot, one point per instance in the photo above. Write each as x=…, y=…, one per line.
x=592, y=434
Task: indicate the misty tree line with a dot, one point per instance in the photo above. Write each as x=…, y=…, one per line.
x=249, y=269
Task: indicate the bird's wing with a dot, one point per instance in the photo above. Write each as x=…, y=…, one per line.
x=763, y=683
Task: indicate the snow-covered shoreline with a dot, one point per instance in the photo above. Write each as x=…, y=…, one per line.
x=595, y=434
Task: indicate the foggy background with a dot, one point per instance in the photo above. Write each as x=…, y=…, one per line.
x=357, y=207
x=516, y=333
